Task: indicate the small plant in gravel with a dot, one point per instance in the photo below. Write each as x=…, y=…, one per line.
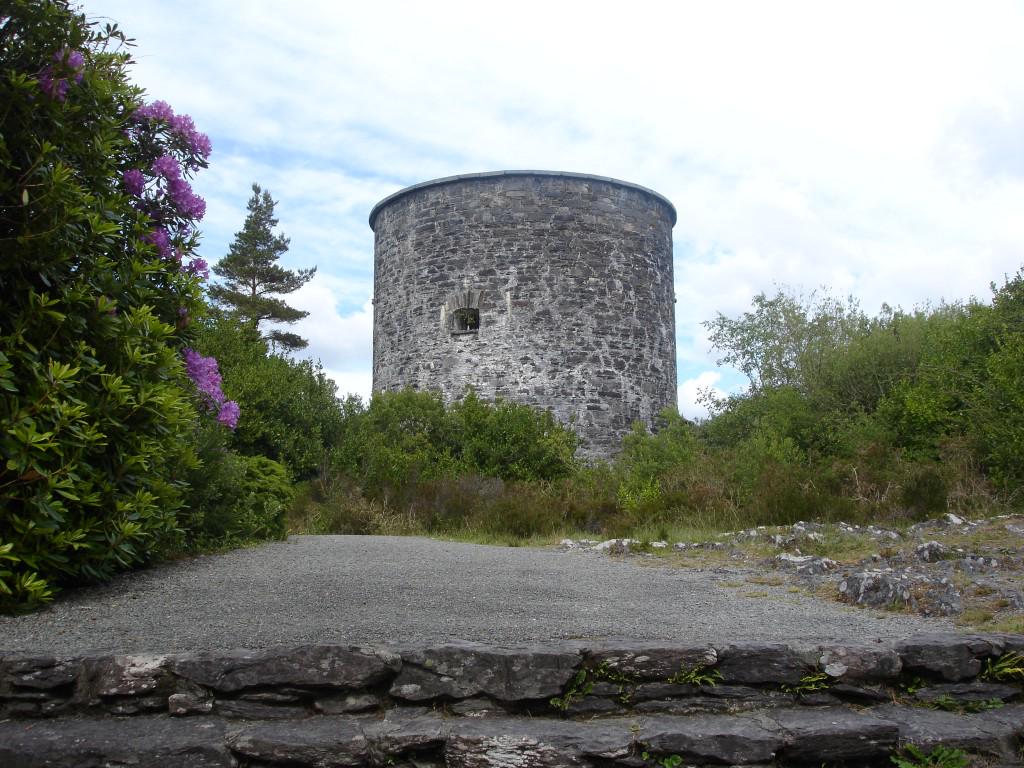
x=666, y=761
x=812, y=683
x=581, y=685
x=699, y=675
x=941, y=757
x=1009, y=666
x=949, y=704
x=584, y=681
x=912, y=686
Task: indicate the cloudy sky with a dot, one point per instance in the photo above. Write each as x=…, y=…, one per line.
x=874, y=148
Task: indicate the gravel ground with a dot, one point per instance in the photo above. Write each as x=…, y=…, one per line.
x=379, y=590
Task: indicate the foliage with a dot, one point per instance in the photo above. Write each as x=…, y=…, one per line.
x=940, y=757
x=408, y=438
x=510, y=441
x=783, y=340
x=699, y=675
x=666, y=761
x=234, y=498
x=812, y=683
x=96, y=227
x=252, y=277
x=1009, y=666
x=291, y=412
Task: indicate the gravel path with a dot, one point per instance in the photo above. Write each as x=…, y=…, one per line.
x=378, y=589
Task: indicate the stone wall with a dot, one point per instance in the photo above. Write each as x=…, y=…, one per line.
x=565, y=281
x=464, y=705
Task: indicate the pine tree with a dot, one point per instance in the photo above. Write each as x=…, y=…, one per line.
x=252, y=279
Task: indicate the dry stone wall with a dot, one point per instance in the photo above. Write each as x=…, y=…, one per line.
x=597, y=705
x=549, y=289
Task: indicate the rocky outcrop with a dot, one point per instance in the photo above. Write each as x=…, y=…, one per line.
x=927, y=569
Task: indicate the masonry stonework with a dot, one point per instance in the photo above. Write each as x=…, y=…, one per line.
x=549, y=289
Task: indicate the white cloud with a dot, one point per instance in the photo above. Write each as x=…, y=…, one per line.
x=690, y=392
x=342, y=341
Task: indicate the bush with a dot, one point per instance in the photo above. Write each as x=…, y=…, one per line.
x=234, y=498
x=95, y=213
x=290, y=409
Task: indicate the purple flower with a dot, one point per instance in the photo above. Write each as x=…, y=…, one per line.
x=200, y=144
x=134, y=182
x=199, y=267
x=69, y=64
x=205, y=375
x=167, y=166
x=73, y=60
x=158, y=110
x=181, y=125
x=55, y=88
x=162, y=241
x=189, y=204
x=228, y=414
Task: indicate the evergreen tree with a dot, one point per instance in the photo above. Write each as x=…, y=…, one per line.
x=252, y=277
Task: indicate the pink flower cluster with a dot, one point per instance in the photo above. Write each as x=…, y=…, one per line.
x=206, y=376
x=54, y=79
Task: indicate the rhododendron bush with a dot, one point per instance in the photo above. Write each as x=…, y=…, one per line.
x=99, y=284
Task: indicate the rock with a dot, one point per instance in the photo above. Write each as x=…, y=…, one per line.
x=182, y=704
x=875, y=588
x=808, y=565
x=140, y=742
x=833, y=735
x=734, y=740
x=465, y=670
x=126, y=675
x=931, y=551
x=41, y=673
x=615, y=546
x=974, y=564
x=968, y=692
x=355, y=702
x=536, y=743
x=312, y=666
x=406, y=730
x=650, y=661
x=478, y=707
x=951, y=657
x=256, y=710
x=764, y=663
x=860, y=662
x=322, y=742
x=994, y=731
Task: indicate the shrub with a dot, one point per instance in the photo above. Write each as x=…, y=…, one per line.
x=95, y=214
x=234, y=498
x=510, y=441
x=291, y=410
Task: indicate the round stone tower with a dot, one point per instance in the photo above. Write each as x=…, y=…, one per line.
x=549, y=289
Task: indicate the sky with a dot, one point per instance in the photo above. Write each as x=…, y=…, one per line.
x=875, y=149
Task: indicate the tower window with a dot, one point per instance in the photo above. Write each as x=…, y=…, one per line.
x=461, y=312
x=466, y=319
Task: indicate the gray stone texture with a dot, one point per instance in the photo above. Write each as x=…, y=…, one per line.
x=572, y=277
x=338, y=706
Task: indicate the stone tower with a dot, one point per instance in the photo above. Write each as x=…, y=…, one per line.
x=549, y=289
